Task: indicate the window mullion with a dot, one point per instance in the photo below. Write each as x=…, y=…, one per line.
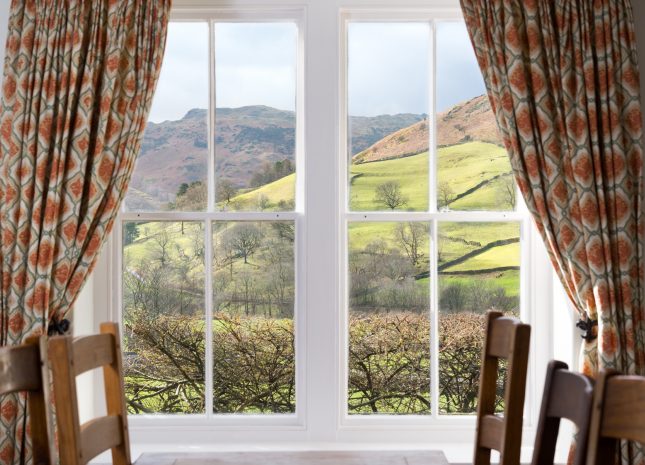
x=434, y=318
x=208, y=225
x=432, y=203
x=212, y=102
x=208, y=289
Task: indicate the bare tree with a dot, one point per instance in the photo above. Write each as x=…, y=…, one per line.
x=507, y=192
x=244, y=239
x=162, y=240
x=263, y=202
x=412, y=236
x=225, y=190
x=389, y=193
x=445, y=194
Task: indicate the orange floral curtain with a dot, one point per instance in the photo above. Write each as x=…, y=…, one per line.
x=563, y=80
x=79, y=76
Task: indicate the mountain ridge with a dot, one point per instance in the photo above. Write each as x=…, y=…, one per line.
x=251, y=137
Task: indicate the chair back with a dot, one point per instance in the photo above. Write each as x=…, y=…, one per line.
x=509, y=339
x=70, y=357
x=618, y=413
x=21, y=370
x=566, y=395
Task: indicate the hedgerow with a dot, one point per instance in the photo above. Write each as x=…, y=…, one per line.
x=254, y=365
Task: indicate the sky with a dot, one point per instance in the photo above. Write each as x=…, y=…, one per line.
x=388, y=69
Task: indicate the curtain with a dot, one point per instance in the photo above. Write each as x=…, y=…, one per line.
x=79, y=76
x=563, y=81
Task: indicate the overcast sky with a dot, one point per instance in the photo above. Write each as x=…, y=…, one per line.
x=388, y=68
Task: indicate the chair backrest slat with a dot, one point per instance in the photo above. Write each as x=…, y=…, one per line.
x=78, y=444
x=566, y=395
x=100, y=434
x=505, y=338
x=21, y=370
x=618, y=413
x=93, y=352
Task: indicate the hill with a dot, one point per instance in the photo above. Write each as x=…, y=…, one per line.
x=469, y=121
x=465, y=122
x=176, y=152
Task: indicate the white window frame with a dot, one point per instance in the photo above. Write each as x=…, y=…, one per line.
x=211, y=17
x=433, y=216
x=321, y=416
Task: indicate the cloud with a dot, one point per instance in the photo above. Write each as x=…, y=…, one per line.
x=389, y=66
x=256, y=64
x=458, y=75
x=183, y=83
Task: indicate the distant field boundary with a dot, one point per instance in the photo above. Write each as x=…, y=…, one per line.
x=394, y=157
x=480, y=251
x=478, y=186
x=499, y=269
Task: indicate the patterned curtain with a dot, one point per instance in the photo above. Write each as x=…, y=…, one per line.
x=79, y=76
x=563, y=81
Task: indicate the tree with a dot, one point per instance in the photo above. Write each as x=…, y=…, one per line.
x=445, y=193
x=225, y=191
x=389, y=194
x=191, y=197
x=263, y=202
x=412, y=236
x=507, y=192
x=130, y=233
x=244, y=239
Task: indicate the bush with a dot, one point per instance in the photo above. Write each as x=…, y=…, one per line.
x=254, y=364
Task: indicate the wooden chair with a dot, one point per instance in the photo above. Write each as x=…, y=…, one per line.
x=505, y=338
x=566, y=395
x=21, y=370
x=69, y=357
x=618, y=413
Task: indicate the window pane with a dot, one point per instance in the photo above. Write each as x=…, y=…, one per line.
x=473, y=170
x=479, y=269
x=170, y=173
x=163, y=316
x=255, y=75
x=389, y=327
x=388, y=128
x=253, y=328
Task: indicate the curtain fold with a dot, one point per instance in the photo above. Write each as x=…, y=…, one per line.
x=79, y=76
x=563, y=81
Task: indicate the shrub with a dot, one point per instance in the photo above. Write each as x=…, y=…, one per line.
x=254, y=364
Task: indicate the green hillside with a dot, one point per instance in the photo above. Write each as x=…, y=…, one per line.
x=465, y=166
x=273, y=193
x=478, y=166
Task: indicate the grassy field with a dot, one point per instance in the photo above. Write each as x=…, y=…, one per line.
x=410, y=172
x=184, y=236
x=462, y=166
x=281, y=190
x=465, y=166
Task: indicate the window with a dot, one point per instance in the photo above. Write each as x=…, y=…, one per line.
x=210, y=226
x=432, y=232
x=320, y=214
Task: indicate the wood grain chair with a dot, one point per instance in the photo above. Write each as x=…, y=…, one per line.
x=21, y=370
x=508, y=339
x=618, y=413
x=566, y=395
x=69, y=357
